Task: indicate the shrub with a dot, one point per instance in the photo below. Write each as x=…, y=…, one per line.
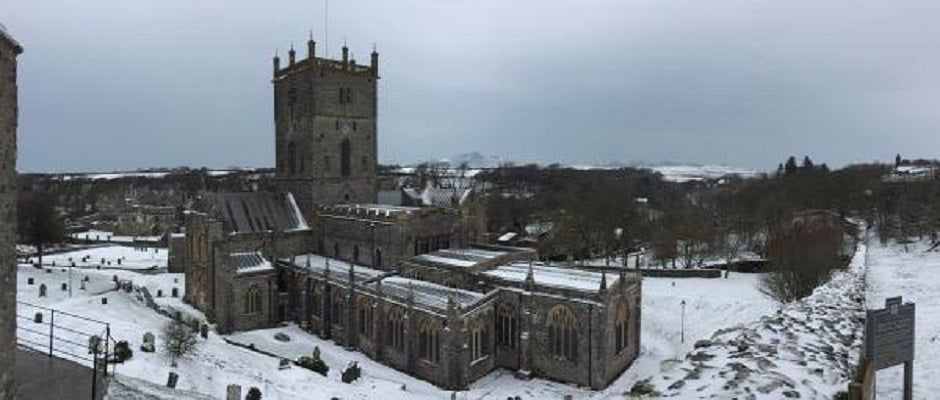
x=253, y=394
x=122, y=351
x=352, y=372
x=802, y=254
x=314, y=364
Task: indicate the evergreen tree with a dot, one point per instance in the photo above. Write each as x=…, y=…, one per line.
x=807, y=164
x=790, y=167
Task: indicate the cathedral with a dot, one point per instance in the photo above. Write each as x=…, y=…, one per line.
x=411, y=287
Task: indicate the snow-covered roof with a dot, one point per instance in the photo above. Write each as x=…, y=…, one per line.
x=373, y=209
x=426, y=294
x=249, y=262
x=506, y=237
x=339, y=270
x=466, y=257
x=544, y=275
x=257, y=212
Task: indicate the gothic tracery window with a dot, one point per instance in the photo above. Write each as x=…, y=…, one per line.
x=253, y=300
x=506, y=325
x=365, y=317
x=339, y=309
x=479, y=344
x=621, y=328
x=428, y=341
x=562, y=333
x=395, y=330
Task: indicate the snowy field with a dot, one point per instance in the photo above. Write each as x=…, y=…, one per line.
x=915, y=275
x=712, y=304
x=107, y=236
x=108, y=256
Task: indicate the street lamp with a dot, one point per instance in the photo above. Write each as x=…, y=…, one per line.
x=682, y=326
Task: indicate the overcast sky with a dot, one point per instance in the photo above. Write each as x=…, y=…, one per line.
x=125, y=84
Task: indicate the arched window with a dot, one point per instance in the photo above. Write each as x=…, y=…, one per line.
x=395, y=330
x=339, y=309
x=562, y=333
x=292, y=158
x=427, y=340
x=344, y=151
x=365, y=317
x=378, y=258
x=506, y=325
x=316, y=300
x=621, y=327
x=253, y=300
x=479, y=345
x=336, y=250
x=356, y=254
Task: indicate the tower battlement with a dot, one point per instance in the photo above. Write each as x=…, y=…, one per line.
x=312, y=62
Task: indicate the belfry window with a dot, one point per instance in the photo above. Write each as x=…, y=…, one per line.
x=344, y=157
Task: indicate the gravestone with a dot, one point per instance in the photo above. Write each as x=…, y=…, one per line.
x=175, y=293
x=94, y=344
x=38, y=318
x=159, y=293
x=86, y=279
x=284, y=364
x=29, y=281
x=204, y=331
x=82, y=286
x=104, y=300
x=48, y=270
x=65, y=286
x=42, y=290
x=172, y=379
x=233, y=392
x=114, y=278
x=148, y=346
x=119, y=261
x=889, y=339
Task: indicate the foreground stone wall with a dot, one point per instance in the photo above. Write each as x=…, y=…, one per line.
x=8, y=116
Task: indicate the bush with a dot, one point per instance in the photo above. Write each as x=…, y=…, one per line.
x=122, y=351
x=253, y=394
x=314, y=364
x=801, y=253
x=352, y=372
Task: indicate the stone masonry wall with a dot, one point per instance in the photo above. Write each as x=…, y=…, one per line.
x=8, y=117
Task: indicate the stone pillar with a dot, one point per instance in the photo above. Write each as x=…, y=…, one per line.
x=9, y=49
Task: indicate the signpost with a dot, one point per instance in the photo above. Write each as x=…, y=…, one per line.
x=889, y=339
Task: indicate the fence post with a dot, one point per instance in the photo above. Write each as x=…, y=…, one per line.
x=107, y=347
x=94, y=372
x=51, y=329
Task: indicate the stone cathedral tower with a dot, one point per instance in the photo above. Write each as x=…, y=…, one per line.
x=325, y=124
x=9, y=49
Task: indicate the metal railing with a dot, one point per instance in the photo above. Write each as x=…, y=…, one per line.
x=68, y=336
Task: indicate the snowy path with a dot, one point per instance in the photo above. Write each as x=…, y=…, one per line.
x=806, y=350
x=915, y=275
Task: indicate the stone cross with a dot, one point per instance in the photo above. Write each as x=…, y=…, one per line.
x=148, y=345
x=42, y=290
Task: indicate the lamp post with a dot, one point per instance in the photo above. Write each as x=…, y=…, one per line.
x=682, y=326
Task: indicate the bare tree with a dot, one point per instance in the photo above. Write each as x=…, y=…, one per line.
x=38, y=222
x=802, y=254
x=178, y=340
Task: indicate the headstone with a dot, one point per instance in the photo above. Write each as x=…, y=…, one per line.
x=281, y=337
x=53, y=263
x=104, y=300
x=86, y=278
x=38, y=318
x=119, y=261
x=284, y=364
x=65, y=286
x=204, y=331
x=233, y=392
x=176, y=280
x=172, y=379
x=48, y=270
x=42, y=290
x=175, y=293
x=29, y=281
x=114, y=278
x=82, y=286
x=147, y=346
x=159, y=293
x=94, y=344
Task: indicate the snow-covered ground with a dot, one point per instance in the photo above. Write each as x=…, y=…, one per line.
x=915, y=275
x=807, y=350
x=711, y=304
x=108, y=256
